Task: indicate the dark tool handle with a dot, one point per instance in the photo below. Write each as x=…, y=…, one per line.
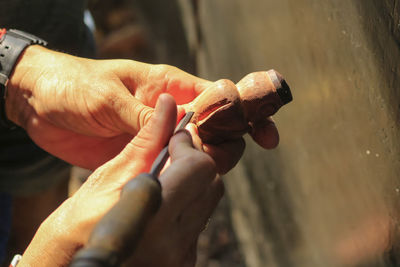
x=116, y=235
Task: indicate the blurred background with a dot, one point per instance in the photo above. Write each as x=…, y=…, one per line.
x=329, y=194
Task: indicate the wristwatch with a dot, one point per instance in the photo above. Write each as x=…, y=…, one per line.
x=12, y=44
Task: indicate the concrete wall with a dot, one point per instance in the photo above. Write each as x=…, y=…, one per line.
x=329, y=195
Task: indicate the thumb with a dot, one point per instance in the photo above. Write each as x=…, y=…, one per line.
x=155, y=134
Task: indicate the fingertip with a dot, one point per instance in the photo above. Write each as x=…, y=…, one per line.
x=155, y=134
x=179, y=142
x=165, y=102
x=192, y=128
x=182, y=136
x=165, y=97
x=164, y=116
x=265, y=134
x=197, y=143
x=181, y=112
x=226, y=155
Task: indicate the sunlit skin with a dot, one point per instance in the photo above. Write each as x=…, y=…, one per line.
x=85, y=111
x=191, y=190
x=99, y=114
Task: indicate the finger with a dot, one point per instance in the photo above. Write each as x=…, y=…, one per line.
x=94, y=151
x=226, y=155
x=152, y=137
x=265, y=133
x=183, y=86
x=197, y=143
x=145, y=82
x=195, y=216
x=191, y=255
x=133, y=114
x=181, y=139
x=180, y=145
x=187, y=177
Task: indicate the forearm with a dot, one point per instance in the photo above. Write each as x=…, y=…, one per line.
x=42, y=253
x=55, y=242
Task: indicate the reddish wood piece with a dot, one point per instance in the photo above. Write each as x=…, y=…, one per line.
x=226, y=111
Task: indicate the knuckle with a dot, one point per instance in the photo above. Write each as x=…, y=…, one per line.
x=144, y=116
x=110, y=96
x=109, y=92
x=164, y=68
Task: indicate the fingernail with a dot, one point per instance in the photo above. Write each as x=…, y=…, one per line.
x=159, y=104
x=197, y=143
x=184, y=136
x=183, y=131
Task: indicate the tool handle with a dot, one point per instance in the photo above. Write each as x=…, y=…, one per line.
x=117, y=234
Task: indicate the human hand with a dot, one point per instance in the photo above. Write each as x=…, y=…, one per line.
x=85, y=111
x=191, y=190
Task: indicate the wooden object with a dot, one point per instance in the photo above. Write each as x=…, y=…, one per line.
x=226, y=111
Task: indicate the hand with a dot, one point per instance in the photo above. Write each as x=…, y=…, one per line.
x=191, y=190
x=85, y=111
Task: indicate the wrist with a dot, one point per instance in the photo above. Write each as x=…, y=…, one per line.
x=21, y=83
x=12, y=45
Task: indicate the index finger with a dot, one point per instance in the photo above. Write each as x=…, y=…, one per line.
x=189, y=175
x=180, y=144
x=183, y=86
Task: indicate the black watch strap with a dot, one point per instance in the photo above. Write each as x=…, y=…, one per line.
x=12, y=44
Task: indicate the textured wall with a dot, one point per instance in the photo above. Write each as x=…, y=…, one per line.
x=329, y=195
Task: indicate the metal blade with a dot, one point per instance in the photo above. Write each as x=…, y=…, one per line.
x=162, y=158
